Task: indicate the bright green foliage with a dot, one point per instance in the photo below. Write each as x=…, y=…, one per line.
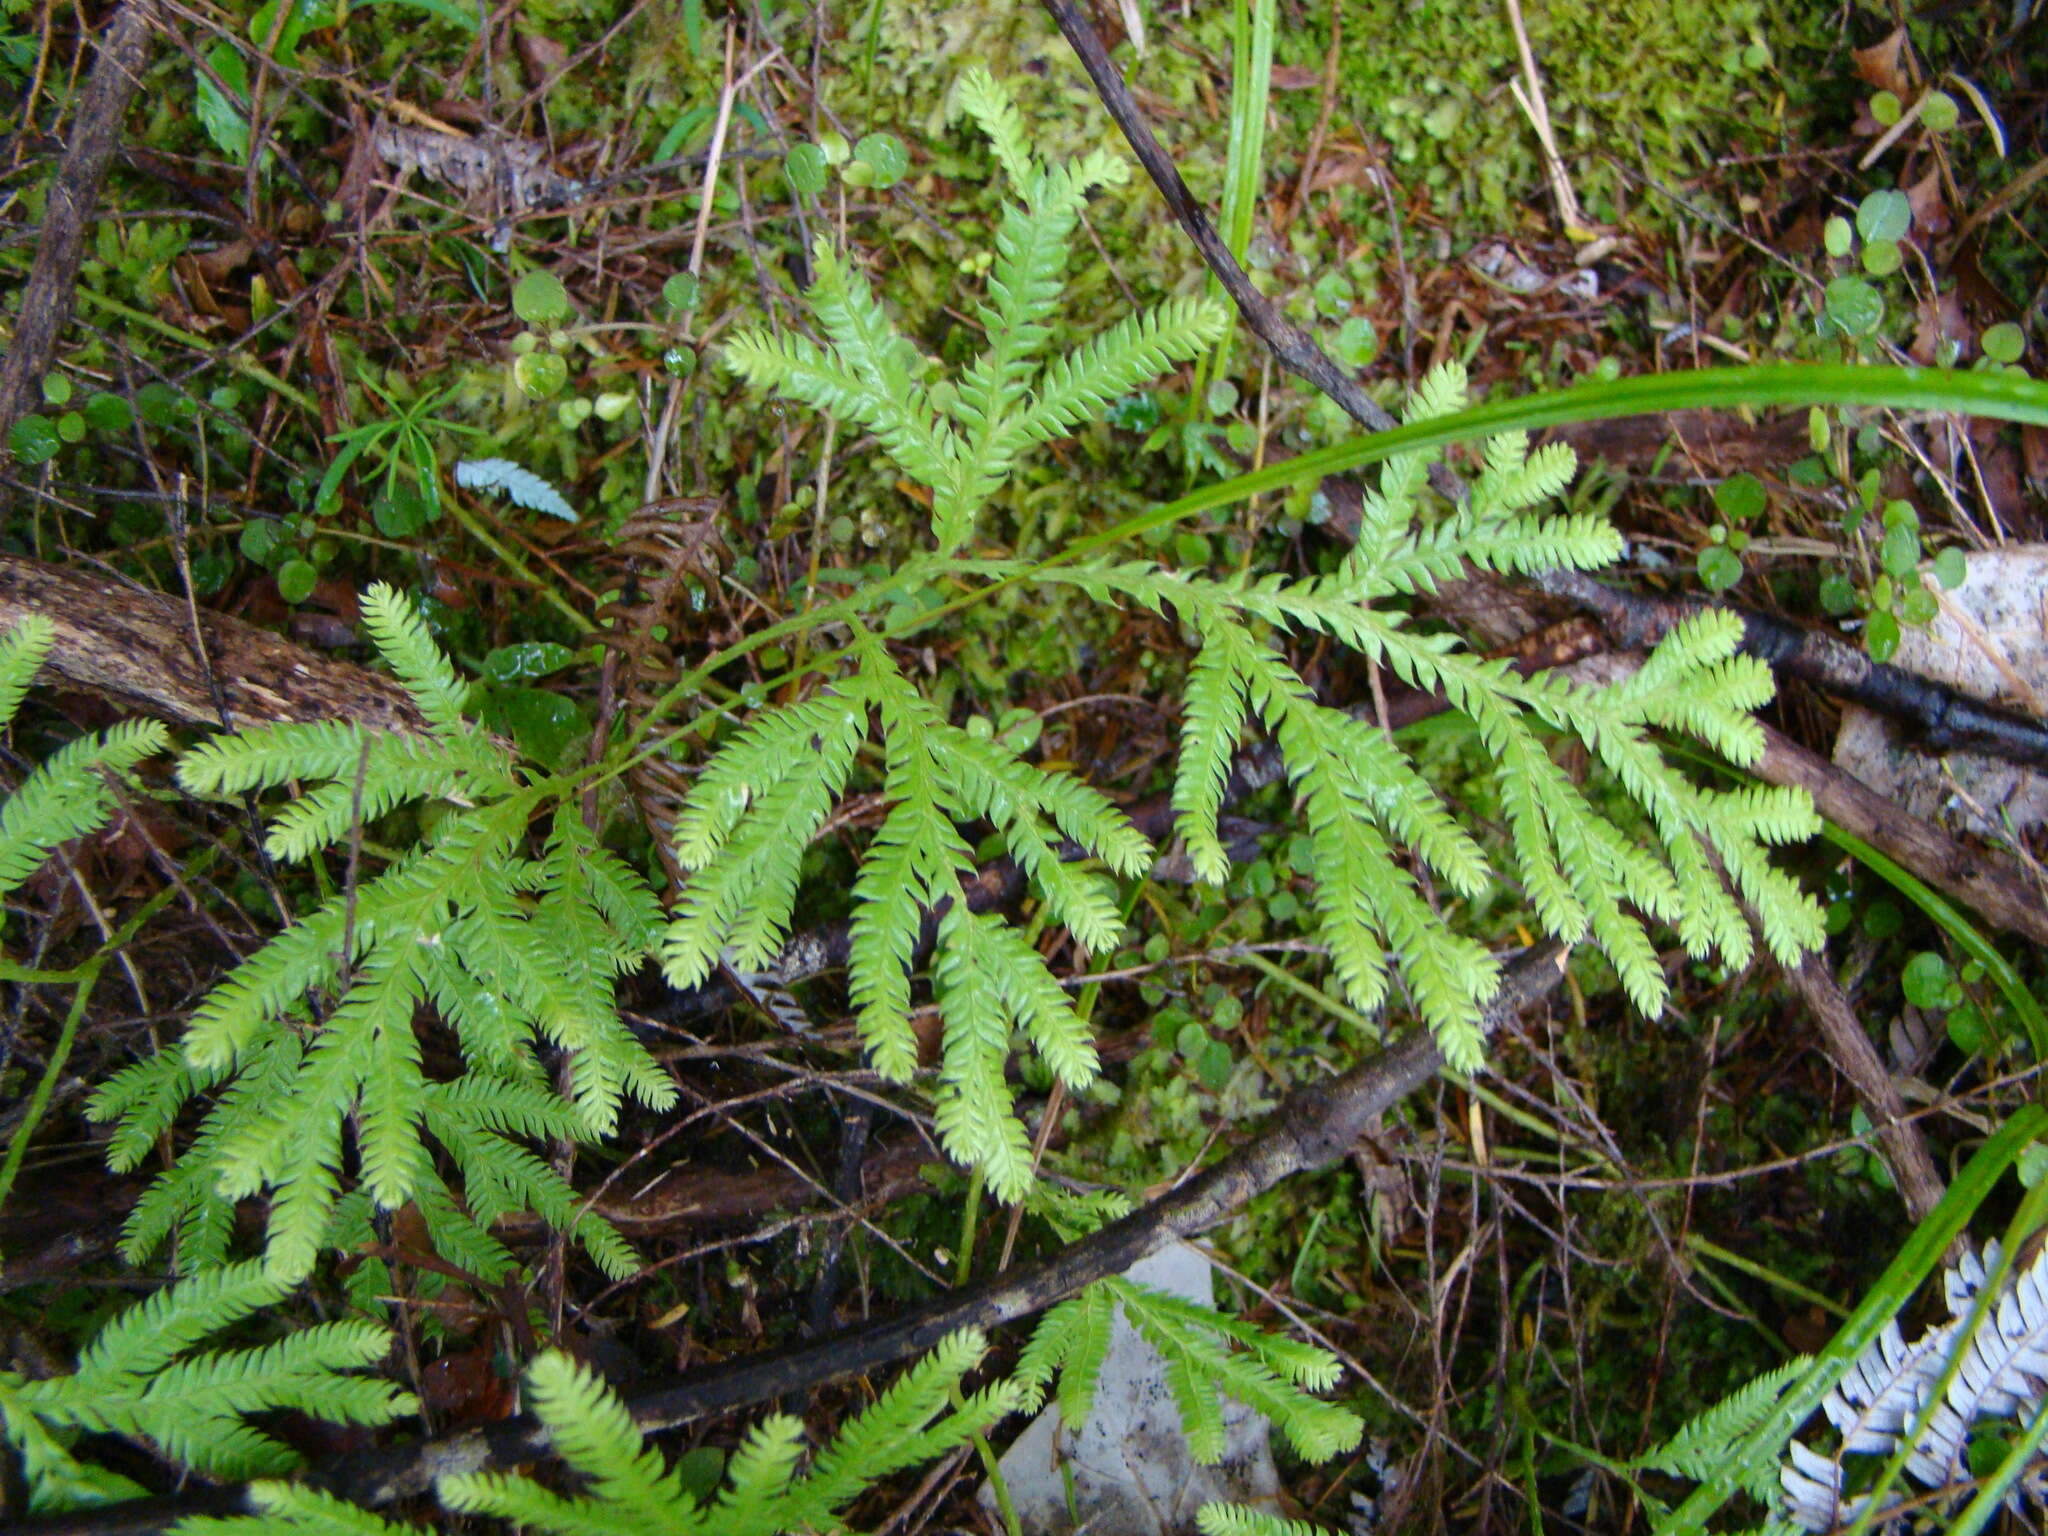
x=1703, y=1445
x=1373, y=820
x=66, y=796
x=144, y=1375
x=962, y=441
x=767, y=792
x=1266, y=1372
x=743, y=828
x=289, y=1509
x=1242, y=1520
x=1366, y=804
x=628, y=1487
x=318, y=1027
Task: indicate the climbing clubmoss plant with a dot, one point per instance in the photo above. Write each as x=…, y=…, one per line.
x=145, y=1375
x=625, y=1484
x=1374, y=821
x=317, y=1032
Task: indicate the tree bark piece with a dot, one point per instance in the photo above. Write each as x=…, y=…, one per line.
x=1849, y=1048
x=95, y=131
x=1990, y=885
x=136, y=648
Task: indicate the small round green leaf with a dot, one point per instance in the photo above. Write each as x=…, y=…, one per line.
x=529, y=658
x=1854, y=307
x=296, y=580
x=540, y=375
x=2003, y=342
x=1817, y=429
x=260, y=536
x=834, y=147
x=1740, y=497
x=34, y=439
x=1720, y=568
x=1885, y=215
x=885, y=157
x=1917, y=607
x=804, y=168
x=1900, y=552
x=1881, y=258
x=1926, y=980
x=106, y=412
x=680, y=292
x=1951, y=568
x=1356, y=343
x=71, y=427
x=1968, y=1032
x=1886, y=108
x=401, y=514
x=56, y=389
x=1939, y=111
x=1837, y=595
x=1837, y=236
x=1881, y=637
x=540, y=299
x=157, y=404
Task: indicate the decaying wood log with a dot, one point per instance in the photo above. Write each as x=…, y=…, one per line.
x=136, y=648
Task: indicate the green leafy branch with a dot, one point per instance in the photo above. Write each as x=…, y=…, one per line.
x=627, y=1486
x=143, y=1375
x=961, y=439
x=316, y=1032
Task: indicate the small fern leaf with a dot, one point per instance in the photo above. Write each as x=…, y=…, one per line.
x=988, y=102
x=1136, y=349
x=22, y=650
x=67, y=795
x=1242, y=1520
x=501, y=477
x=402, y=640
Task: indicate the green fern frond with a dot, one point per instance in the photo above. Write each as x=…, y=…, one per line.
x=1212, y=718
x=513, y=951
x=393, y=771
x=892, y=402
x=905, y=1425
x=264, y=756
x=67, y=796
x=139, y=1377
x=1201, y=1371
x=594, y=1433
x=1702, y=1446
x=293, y=1509
x=1139, y=347
x=402, y=640
x=1442, y=392
x=972, y=1107
x=988, y=102
x=1242, y=1520
x=628, y=1487
x=1068, y=1346
x=22, y=650
x=744, y=827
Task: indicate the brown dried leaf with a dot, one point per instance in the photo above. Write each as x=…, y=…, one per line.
x=1930, y=205
x=1885, y=65
x=1941, y=319
x=2034, y=452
